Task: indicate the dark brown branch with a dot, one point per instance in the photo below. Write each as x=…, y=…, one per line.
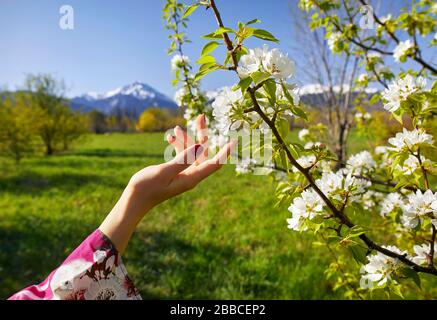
x=226, y=38
x=431, y=247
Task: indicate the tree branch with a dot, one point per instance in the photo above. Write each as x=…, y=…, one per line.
x=337, y=213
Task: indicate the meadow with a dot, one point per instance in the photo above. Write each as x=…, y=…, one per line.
x=222, y=240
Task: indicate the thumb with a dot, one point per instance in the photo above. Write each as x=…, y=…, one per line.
x=182, y=161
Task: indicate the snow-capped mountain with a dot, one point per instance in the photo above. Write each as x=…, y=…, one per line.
x=130, y=100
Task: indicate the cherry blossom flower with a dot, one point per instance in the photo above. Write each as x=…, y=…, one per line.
x=402, y=50
x=421, y=253
x=249, y=63
x=419, y=206
x=303, y=133
x=391, y=202
x=278, y=64
x=222, y=106
x=340, y=187
x=305, y=162
x=380, y=268
x=179, y=61
x=362, y=116
x=410, y=140
x=307, y=206
x=361, y=163
x=179, y=95
x=333, y=39
x=400, y=90
x=411, y=164
x=245, y=165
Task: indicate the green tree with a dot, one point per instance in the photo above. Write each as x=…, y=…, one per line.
x=58, y=123
x=153, y=119
x=19, y=125
x=73, y=125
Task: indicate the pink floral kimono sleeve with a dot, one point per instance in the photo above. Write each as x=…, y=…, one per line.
x=94, y=271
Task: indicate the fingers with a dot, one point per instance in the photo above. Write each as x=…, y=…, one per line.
x=181, y=162
x=189, y=179
x=202, y=136
x=183, y=140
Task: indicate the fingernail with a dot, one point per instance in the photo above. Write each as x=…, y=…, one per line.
x=198, y=149
x=177, y=128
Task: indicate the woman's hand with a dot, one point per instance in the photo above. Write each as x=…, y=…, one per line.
x=155, y=184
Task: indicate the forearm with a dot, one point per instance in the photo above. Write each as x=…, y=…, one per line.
x=121, y=222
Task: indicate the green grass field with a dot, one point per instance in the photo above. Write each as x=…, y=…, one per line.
x=223, y=240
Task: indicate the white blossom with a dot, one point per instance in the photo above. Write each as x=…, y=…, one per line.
x=402, y=49
x=245, y=165
x=411, y=164
x=303, y=133
x=363, y=77
x=373, y=55
x=386, y=18
x=307, y=206
x=338, y=186
x=366, y=116
x=217, y=141
x=249, y=63
x=333, y=39
x=380, y=268
x=392, y=202
x=180, y=94
x=293, y=91
x=410, y=140
x=419, y=205
x=278, y=64
x=361, y=163
x=421, y=253
x=189, y=115
x=381, y=149
x=222, y=106
x=310, y=144
x=305, y=162
x=179, y=61
x=399, y=90
x=370, y=198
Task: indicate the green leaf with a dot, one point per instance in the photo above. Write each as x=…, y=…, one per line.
x=299, y=112
x=270, y=88
x=206, y=59
x=375, y=98
x=222, y=30
x=205, y=71
x=283, y=127
x=244, y=84
x=411, y=274
x=210, y=47
x=206, y=66
x=358, y=253
x=253, y=21
x=259, y=76
x=397, y=291
x=265, y=35
x=212, y=35
x=190, y=10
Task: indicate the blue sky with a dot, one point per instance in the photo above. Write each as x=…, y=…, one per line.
x=115, y=42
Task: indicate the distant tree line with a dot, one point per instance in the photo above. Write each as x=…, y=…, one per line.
x=151, y=120
x=39, y=119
